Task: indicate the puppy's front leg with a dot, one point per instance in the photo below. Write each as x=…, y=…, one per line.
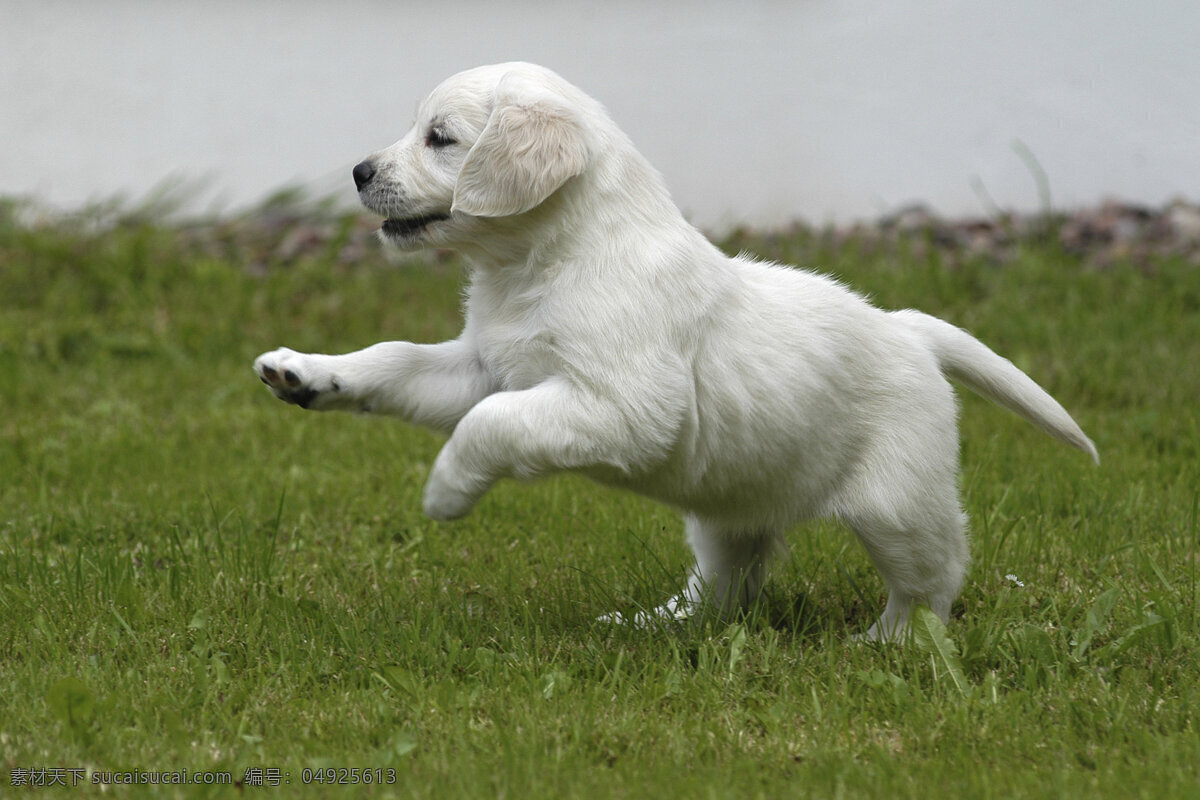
x=432, y=385
x=524, y=434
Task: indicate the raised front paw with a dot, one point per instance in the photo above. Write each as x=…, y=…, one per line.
x=444, y=502
x=453, y=489
x=297, y=378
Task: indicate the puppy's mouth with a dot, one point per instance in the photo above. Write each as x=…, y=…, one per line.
x=410, y=226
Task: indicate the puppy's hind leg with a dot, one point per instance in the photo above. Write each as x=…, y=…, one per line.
x=922, y=554
x=731, y=565
x=902, y=501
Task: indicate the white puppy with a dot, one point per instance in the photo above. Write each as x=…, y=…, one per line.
x=607, y=336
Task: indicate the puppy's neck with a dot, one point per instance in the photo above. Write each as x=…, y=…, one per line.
x=619, y=201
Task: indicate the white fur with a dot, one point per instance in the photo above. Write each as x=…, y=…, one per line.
x=605, y=335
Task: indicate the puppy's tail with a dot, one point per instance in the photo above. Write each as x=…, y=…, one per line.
x=963, y=357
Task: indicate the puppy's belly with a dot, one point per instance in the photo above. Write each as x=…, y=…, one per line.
x=745, y=485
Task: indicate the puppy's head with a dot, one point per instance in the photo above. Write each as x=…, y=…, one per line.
x=488, y=143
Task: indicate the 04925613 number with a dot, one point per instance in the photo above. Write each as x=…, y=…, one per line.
x=348, y=775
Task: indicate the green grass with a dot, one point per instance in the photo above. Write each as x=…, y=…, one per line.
x=196, y=576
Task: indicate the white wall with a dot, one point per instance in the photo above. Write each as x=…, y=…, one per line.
x=759, y=112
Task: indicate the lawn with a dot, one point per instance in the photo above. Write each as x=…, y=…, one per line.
x=198, y=581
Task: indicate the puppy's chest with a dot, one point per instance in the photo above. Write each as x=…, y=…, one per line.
x=519, y=354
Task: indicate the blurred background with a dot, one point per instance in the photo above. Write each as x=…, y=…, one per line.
x=757, y=113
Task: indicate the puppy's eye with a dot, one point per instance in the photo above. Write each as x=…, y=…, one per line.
x=438, y=139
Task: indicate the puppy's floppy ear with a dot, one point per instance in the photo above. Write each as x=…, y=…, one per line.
x=533, y=143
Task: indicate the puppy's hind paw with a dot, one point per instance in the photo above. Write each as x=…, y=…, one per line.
x=676, y=611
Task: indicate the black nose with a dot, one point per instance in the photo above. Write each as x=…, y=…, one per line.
x=363, y=173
